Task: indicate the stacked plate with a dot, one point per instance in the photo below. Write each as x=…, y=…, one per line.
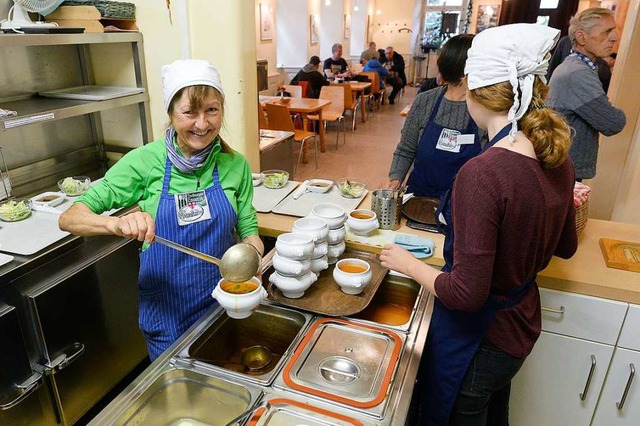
x=335, y=217
x=292, y=264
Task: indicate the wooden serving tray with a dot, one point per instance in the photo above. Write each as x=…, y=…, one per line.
x=324, y=297
x=421, y=209
x=621, y=254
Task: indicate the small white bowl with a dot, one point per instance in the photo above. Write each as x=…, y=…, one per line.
x=352, y=282
x=294, y=246
x=335, y=250
x=50, y=199
x=239, y=306
x=257, y=178
x=291, y=267
x=293, y=287
x=336, y=235
x=320, y=249
x=319, y=264
x=362, y=222
x=319, y=186
x=332, y=260
x=332, y=213
x=314, y=227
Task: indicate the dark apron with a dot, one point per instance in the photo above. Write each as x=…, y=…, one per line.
x=175, y=288
x=434, y=168
x=454, y=336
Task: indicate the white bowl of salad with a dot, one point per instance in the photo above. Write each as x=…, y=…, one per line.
x=74, y=186
x=351, y=188
x=275, y=179
x=15, y=210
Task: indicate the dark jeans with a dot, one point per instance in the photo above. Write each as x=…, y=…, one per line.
x=396, y=83
x=483, y=398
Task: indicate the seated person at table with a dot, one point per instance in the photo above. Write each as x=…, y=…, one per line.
x=394, y=63
x=335, y=66
x=373, y=65
x=369, y=53
x=311, y=74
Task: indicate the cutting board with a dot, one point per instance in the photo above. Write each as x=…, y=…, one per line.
x=265, y=199
x=621, y=254
x=303, y=205
x=32, y=234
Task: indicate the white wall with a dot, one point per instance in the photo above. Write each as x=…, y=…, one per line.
x=291, y=32
x=395, y=15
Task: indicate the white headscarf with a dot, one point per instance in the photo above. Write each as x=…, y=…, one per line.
x=515, y=53
x=189, y=72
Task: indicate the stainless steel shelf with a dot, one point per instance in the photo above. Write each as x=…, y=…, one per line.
x=22, y=40
x=38, y=109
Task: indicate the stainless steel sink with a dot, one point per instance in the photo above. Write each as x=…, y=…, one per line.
x=183, y=397
x=223, y=343
x=394, y=305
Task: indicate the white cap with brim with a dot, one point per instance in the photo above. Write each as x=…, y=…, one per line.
x=515, y=53
x=189, y=72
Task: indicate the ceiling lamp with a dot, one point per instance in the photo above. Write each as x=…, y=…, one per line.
x=355, y=7
x=327, y=3
x=378, y=12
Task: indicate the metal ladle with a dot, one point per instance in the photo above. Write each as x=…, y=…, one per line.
x=239, y=263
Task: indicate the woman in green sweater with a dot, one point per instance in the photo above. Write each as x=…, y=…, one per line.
x=192, y=188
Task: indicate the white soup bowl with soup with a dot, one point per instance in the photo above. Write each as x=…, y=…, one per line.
x=352, y=275
x=239, y=299
x=362, y=222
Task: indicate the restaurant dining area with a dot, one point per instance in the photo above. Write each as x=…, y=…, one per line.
x=424, y=241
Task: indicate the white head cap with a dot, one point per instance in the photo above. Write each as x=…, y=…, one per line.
x=515, y=53
x=189, y=72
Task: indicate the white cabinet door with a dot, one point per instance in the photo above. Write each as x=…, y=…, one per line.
x=547, y=390
x=611, y=410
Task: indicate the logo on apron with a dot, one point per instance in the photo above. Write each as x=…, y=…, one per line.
x=192, y=207
x=448, y=141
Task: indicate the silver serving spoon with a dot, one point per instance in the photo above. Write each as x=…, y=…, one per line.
x=239, y=263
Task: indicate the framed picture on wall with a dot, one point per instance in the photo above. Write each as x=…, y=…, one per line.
x=314, y=27
x=488, y=15
x=347, y=25
x=266, y=22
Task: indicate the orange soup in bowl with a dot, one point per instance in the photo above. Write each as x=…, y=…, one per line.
x=352, y=269
x=359, y=215
x=239, y=288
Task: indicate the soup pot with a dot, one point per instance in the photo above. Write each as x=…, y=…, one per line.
x=352, y=275
x=294, y=246
x=292, y=287
x=239, y=305
x=362, y=222
x=332, y=213
x=314, y=227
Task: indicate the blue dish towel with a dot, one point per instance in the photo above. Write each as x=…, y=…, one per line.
x=420, y=247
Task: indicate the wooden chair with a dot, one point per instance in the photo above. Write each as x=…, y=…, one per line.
x=334, y=111
x=295, y=91
x=280, y=119
x=351, y=103
x=305, y=88
x=377, y=94
x=262, y=119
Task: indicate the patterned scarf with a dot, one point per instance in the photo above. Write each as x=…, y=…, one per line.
x=185, y=165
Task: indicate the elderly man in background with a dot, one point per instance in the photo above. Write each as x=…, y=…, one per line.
x=576, y=92
x=371, y=52
x=335, y=66
x=394, y=63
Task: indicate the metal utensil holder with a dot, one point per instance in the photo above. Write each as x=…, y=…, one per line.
x=387, y=205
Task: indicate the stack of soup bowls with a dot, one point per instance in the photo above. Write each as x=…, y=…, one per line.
x=292, y=264
x=335, y=217
x=317, y=229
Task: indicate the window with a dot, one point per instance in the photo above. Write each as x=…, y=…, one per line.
x=442, y=21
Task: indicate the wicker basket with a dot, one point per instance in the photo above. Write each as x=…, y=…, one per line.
x=582, y=215
x=108, y=9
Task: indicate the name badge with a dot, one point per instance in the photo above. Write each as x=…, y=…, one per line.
x=448, y=141
x=192, y=207
x=465, y=139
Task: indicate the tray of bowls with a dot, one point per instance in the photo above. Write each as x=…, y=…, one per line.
x=313, y=271
x=345, y=192
x=269, y=188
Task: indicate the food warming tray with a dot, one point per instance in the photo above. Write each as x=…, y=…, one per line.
x=286, y=411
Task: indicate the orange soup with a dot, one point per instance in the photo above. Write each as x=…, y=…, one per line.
x=359, y=215
x=352, y=269
x=239, y=288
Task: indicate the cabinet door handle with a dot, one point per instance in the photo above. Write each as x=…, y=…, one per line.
x=23, y=390
x=554, y=311
x=66, y=356
x=626, y=388
x=583, y=394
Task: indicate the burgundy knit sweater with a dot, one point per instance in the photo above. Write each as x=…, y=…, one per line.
x=510, y=216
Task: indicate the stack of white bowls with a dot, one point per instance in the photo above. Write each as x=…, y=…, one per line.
x=317, y=229
x=335, y=217
x=292, y=264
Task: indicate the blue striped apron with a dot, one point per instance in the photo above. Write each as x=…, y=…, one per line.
x=175, y=288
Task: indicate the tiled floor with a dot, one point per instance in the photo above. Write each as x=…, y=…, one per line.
x=368, y=150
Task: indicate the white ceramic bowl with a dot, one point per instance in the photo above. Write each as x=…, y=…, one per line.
x=352, y=282
x=293, y=287
x=239, y=306
x=319, y=264
x=50, y=199
x=314, y=227
x=336, y=235
x=332, y=260
x=320, y=250
x=319, y=186
x=332, y=213
x=74, y=186
x=257, y=178
x=291, y=267
x=362, y=222
x=335, y=250
x=294, y=246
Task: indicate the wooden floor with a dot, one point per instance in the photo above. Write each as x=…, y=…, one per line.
x=368, y=150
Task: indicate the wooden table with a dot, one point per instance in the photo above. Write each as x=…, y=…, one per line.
x=304, y=107
x=276, y=150
x=405, y=110
x=358, y=87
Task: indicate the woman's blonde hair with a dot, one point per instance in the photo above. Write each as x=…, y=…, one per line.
x=547, y=130
x=197, y=95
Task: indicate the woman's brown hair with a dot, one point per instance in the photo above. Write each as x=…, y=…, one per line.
x=197, y=96
x=547, y=130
